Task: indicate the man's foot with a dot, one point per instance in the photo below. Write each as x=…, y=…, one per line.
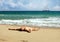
x=29, y=31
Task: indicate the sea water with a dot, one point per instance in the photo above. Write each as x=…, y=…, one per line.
x=31, y=18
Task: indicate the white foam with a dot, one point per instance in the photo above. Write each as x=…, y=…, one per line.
x=50, y=22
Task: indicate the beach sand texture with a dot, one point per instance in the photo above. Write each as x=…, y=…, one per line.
x=43, y=35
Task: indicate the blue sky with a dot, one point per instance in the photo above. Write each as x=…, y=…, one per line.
x=29, y=5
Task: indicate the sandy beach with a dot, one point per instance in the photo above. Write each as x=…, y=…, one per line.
x=43, y=35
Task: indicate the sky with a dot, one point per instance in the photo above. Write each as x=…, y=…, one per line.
x=29, y=5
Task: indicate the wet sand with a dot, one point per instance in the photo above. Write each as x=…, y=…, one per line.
x=42, y=35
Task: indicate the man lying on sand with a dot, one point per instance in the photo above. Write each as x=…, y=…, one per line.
x=25, y=28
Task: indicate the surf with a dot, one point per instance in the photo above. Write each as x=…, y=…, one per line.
x=41, y=22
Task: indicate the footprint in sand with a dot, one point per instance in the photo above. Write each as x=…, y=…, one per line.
x=3, y=40
x=24, y=40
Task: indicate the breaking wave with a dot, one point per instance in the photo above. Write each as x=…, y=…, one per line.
x=49, y=22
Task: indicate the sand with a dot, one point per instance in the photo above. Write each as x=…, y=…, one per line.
x=43, y=35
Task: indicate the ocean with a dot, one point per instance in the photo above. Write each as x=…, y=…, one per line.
x=31, y=18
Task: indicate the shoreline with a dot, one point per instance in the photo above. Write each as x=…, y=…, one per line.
x=33, y=26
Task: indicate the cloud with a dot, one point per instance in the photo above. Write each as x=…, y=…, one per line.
x=12, y=4
x=56, y=8
x=26, y=5
x=1, y=1
x=36, y=5
x=6, y=4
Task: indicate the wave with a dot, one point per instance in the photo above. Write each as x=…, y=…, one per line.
x=49, y=22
